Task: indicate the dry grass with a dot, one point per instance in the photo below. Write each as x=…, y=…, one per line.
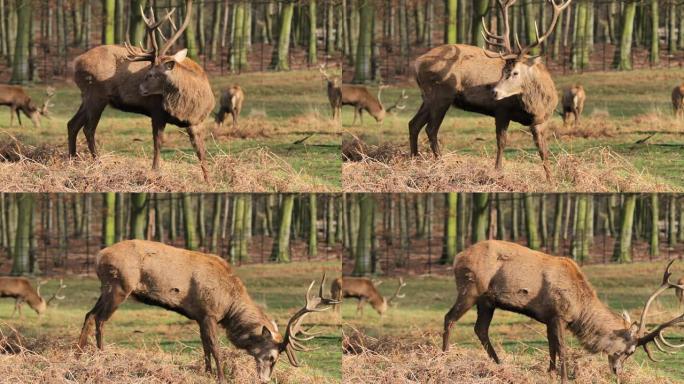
x=54, y=360
x=393, y=360
x=47, y=168
x=379, y=169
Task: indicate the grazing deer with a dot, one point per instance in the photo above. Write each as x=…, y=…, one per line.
x=203, y=288
x=21, y=290
x=508, y=85
x=678, y=101
x=18, y=100
x=170, y=89
x=679, y=292
x=361, y=99
x=552, y=290
x=573, y=104
x=365, y=290
x=334, y=92
x=231, y=102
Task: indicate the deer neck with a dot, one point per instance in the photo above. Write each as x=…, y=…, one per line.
x=375, y=299
x=34, y=301
x=599, y=329
x=244, y=321
x=539, y=93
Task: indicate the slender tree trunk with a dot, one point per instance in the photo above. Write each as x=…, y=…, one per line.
x=480, y=214
x=281, y=245
x=22, y=244
x=313, y=39
x=363, y=68
x=281, y=59
x=449, y=249
x=363, y=259
x=108, y=218
x=479, y=11
x=653, y=227
x=190, y=39
x=20, y=65
x=531, y=222
x=139, y=206
x=313, y=228
x=655, y=38
x=622, y=252
x=624, y=54
x=190, y=230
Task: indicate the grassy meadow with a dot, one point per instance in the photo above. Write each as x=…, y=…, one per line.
x=405, y=345
x=604, y=154
x=261, y=155
x=149, y=344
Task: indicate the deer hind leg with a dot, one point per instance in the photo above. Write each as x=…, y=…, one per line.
x=359, y=306
x=17, y=307
x=18, y=117
x=73, y=126
x=235, y=113
x=108, y=303
x=88, y=323
x=158, y=138
x=501, y=139
x=93, y=113
x=197, y=141
x=466, y=299
x=555, y=330
x=540, y=141
x=415, y=125
x=436, y=117
x=209, y=343
x=485, y=312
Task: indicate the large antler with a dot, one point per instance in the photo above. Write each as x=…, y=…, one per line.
x=396, y=293
x=153, y=52
x=291, y=341
x=557, y=11
x=50, y=93
x=188, y=17
x=321, y=68
x=656, y=335
x=56, y=295
x=399, y=104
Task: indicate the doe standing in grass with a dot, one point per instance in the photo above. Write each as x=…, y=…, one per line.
x=203, y=288
x=231, y=102
x=573, y=104
x=171, y=89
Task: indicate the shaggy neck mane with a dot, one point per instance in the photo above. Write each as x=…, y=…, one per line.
x=187, y=94
x=539, y=93
x=243, y=320
x=596, y=325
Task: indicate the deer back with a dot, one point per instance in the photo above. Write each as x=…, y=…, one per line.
x=358, y=287
x=360, y=96
x=20, y=288
x=15, y=95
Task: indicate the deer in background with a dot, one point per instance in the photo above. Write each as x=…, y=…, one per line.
x=203, y=288
x=231, y=102
x=334, y=92
x=21, y=290
x=169, y=89
x=679, y=292
x=508, y=85
x=573, y=104
x=365, y=290
x=18, y=100
x=552, y=290
x=361, y=99
x=678, y=101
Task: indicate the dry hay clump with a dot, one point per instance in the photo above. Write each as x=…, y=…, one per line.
x=393, y=360
x=13, y=150
x=588, y=128
x=254, y=170
x=54, y=359
x=249, y=128
x=594, y=170
x=355, y=150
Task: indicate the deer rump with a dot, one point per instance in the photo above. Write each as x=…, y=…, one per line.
x=105, y=73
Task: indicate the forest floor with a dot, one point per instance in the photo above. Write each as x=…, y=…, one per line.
x=147, y=344
x=261, y=155
x=628, y=141
x=405, y=345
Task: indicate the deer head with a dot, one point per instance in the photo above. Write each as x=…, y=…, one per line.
x=162, y=66
x=399, y=104
x=40, y=309
x=520, y=67
x=387, y=302
x=333, y=81
x=267, y=350
x=636, y=335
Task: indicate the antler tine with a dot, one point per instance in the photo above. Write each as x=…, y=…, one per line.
x=398, y=104
x=396, y=295
x=657, y=332
x=179, y=32
x=662, y=338
x=650, y=356
x=39, y=284
x=557, y=11
x=56, y=295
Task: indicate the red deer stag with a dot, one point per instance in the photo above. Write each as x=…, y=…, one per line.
x=552, y=290
x=678, y=101
x=573, y=104
x=508, y=85
x=171, y=89
x=365, y=290
x=361, y=99
x=334, y=92
x=18, y=100
x=21, y=290
x=231, y=102
x=203, y=288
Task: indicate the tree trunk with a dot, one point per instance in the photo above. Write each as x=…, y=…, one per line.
x=281, y=245
x=281, y=58
x=479, y=11
x=108, y=219
x=622, y=252
x=190, y=39
x=20, y=264
x=531, y=222
x=624, y=53
x=653, y=248
x=655, y=37
x=480, y=214
x=313, y=228
x=363, y=258
x=449, y=248
x=313, y=39
x=139, y=205
x=190, y=229
x=20, y=64
x=108, y=22
x=363, y=69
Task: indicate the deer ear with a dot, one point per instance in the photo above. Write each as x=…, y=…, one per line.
x=266, y=333
x=626, y=317
x=537, y=60
x=180, y=55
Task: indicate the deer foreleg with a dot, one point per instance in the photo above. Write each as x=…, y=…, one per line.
x=555, y=331
x=359, y=306
x=210, y=344
x=18, y=117
x=197, y=142
x=158, y=138
x=13, y=110
x=436, y=116
x=501, y=139
x=73, y=126
x=93, y=118
x=415, y=125
x=17, y=307
x=540, y=141
x=466, y=299
x=235, y=113
x=485, y=312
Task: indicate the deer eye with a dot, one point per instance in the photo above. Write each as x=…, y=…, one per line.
x=515, y=73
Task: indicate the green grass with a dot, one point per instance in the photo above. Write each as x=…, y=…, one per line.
x=429, y=298
x=278, y=288
x=287, y=106
x=636, y=103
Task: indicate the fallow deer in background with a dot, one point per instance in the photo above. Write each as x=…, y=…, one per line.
x=231, y=102
x=678, y=101
x=170, y=89
x=334, y=92
x=573, y=104
x=18, y=100
x=361, y=99
x=21, y=290
x=203, y=288
x=508, y=85
x=552, y=290
x=365, y=290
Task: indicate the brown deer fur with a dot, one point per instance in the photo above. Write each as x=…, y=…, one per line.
x=678, y=101
x=335, y=96
x=18, y=100
x=680, y=292
x=552, y=290
x=21, y=290
x=359, y=288
x=199, y=286
x=231, y=102
x=573, y=104
x=361, y=99
x=171, y=90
